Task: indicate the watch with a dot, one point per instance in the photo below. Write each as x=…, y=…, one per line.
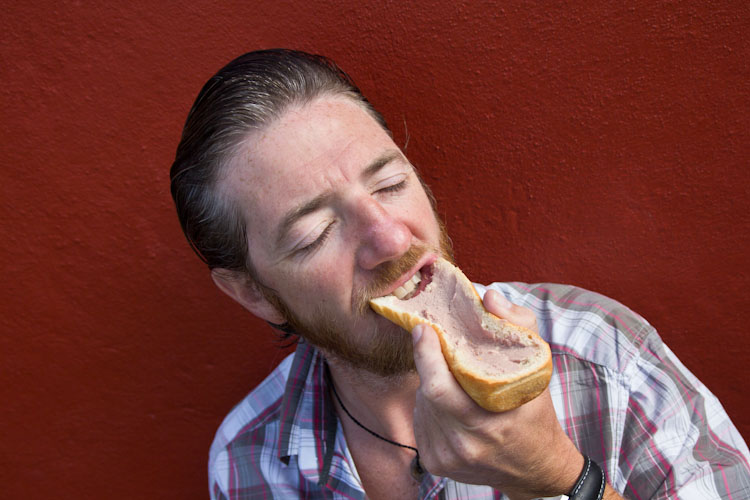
x=590, y=484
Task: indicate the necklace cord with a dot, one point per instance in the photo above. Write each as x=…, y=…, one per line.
x=333, y=389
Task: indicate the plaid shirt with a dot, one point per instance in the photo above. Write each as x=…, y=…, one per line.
x=619, y=393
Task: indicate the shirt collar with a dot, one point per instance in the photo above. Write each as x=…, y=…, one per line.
x=307, y=408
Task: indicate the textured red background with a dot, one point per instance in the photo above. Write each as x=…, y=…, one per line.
x=603, y=145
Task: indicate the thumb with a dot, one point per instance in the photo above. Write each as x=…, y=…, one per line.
x=427, y=352
x=436, y=380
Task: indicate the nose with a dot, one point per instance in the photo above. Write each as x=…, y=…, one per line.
x=382, y=237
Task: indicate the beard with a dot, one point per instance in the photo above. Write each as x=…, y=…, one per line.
x=379, y=347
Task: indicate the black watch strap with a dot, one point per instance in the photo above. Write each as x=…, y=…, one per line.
x=590, y=484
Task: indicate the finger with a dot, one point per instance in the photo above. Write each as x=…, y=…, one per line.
x=436, y=381
x=497, y=304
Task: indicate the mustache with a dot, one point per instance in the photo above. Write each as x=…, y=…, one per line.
x=384, y=275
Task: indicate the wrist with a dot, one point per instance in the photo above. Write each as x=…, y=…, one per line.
x=556, y=478
x=590, y=484
x=572, y=464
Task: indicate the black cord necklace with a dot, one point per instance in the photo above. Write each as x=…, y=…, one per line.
x=417, y=472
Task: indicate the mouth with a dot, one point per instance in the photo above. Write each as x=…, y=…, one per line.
x=415, y=284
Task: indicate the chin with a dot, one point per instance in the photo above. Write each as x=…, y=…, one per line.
x=384, y=327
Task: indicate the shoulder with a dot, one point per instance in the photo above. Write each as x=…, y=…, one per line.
x=257, y=408
x=614, y=378
x=251, y=427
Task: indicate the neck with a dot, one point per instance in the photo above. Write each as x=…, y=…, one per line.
x=383, y=404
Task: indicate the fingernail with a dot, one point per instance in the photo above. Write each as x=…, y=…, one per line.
x=503, y=302
x=416, y=333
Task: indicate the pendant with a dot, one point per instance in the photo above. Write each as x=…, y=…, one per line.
x=417, y=472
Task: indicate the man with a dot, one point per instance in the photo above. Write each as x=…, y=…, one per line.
x=289, y=186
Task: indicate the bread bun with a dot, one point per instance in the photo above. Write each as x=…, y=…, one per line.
x=500, y=365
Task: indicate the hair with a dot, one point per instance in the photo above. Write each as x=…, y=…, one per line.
x=246, y=95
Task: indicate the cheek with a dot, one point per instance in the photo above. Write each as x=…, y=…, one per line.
x=322, y=286
x=424, y=217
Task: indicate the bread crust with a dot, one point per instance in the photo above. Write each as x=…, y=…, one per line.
x=499, y=392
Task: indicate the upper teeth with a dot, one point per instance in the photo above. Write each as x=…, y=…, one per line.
x=408, y=287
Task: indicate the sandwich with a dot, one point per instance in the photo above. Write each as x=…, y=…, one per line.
x=498, y=364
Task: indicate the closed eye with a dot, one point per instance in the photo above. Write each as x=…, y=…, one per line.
x=318, y=241
x=393, y=188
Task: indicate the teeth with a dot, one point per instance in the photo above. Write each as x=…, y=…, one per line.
x=416, y=278
x=408, y=287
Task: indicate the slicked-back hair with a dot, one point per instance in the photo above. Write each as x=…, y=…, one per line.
x=245, y=96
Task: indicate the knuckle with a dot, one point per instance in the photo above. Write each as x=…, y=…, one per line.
x=527, y=316
x=430, y=464
x=442, y=460
x=434, y=469
x=436, y=463
x=467, y=453
x=432, y=391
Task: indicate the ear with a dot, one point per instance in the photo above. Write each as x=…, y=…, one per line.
x=246, y=292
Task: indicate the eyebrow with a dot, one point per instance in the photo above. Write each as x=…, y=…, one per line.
x=380, y=162
x=314, y=204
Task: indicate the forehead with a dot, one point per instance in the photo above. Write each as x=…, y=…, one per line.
x=317, y=147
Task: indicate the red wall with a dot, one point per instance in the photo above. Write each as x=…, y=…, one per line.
x=605, y=146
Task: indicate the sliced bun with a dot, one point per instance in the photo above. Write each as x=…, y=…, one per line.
x=500, y=365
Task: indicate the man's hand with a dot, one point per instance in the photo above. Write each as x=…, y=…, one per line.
x=523, y=452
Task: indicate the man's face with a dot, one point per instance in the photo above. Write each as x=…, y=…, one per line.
x=335, y=216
